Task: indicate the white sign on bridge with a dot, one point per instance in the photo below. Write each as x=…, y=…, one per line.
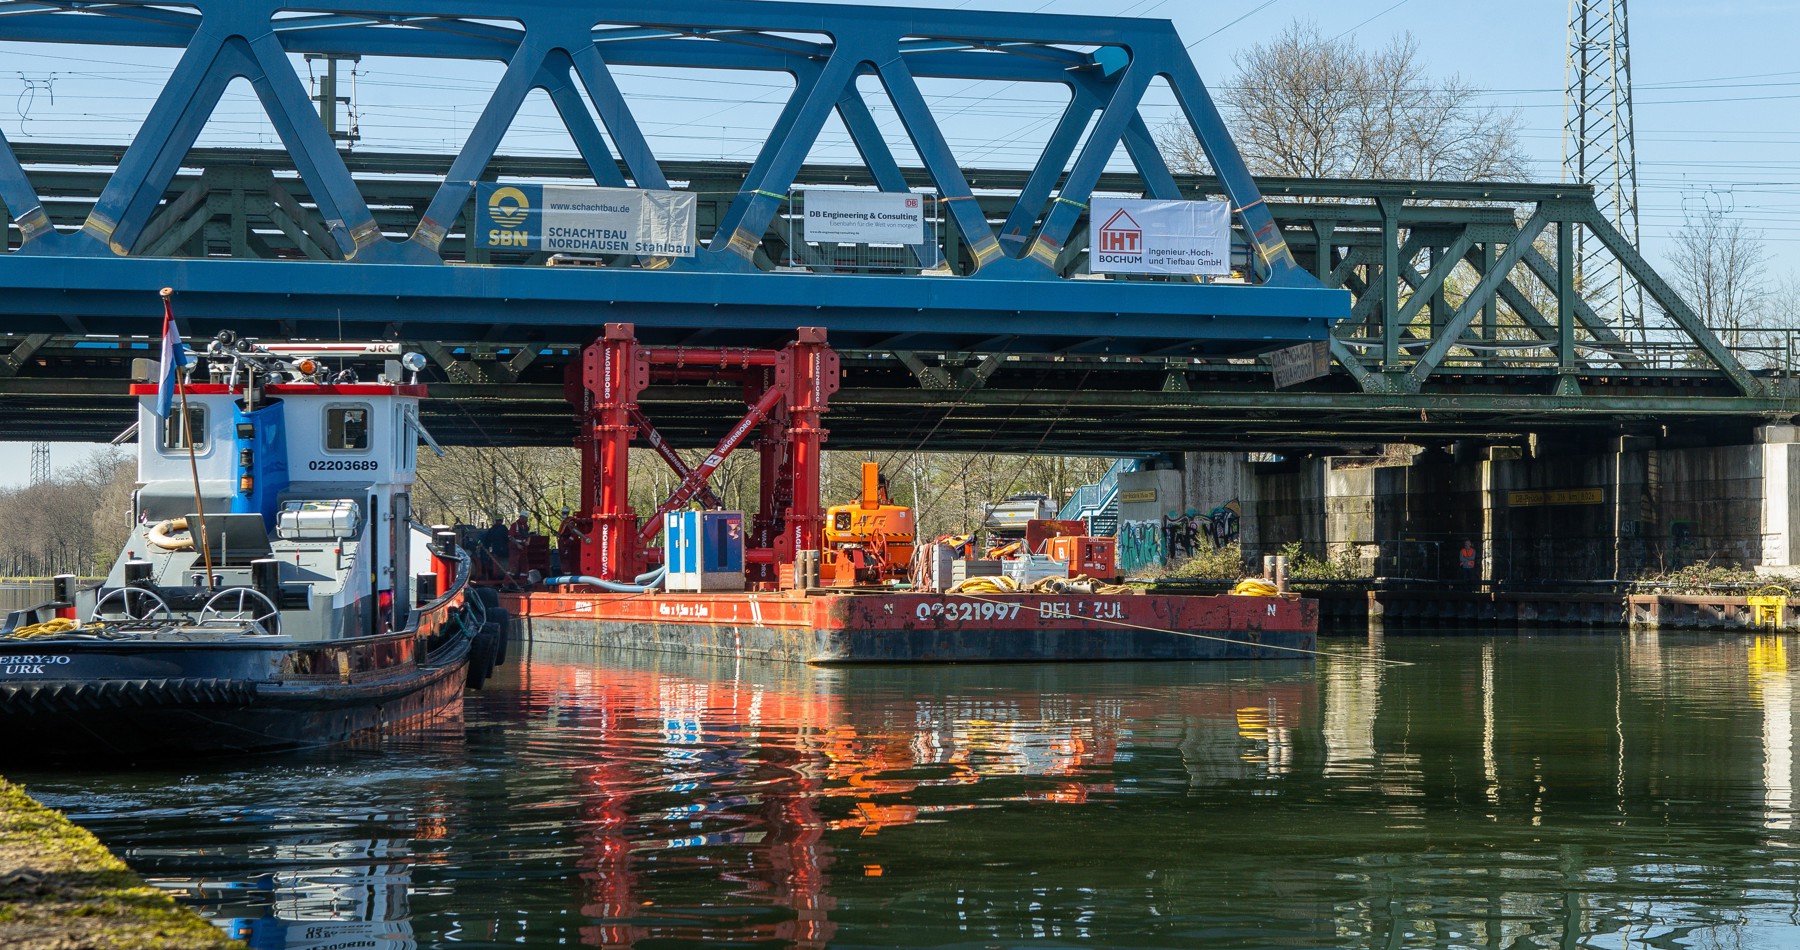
x=1140, y=236
x=842, y=216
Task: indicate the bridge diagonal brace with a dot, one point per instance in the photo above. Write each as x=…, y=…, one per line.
x=22, y=352
x=1515, y=298
x=315, y=155
x=930, y=377
x=627, y=135
x=191, y=94
x=1370, y=381
x=865, y=134
x=175, y=223
x=300, y=224
x=1016, y=231
x=1671, y=301
x=1427, y=287
x=1102, y=141
x=20, y=202
x=928, y=140
x=478, y=149
x=1222, y=153
x=1375, y=295
x=975, y=377
x=1584, y=314
x=1480, y=295
x=554, y=78
x=815, y=97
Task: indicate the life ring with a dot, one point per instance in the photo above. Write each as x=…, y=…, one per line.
x=159, y=535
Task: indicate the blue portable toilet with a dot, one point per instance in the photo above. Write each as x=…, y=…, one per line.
x=704, y=550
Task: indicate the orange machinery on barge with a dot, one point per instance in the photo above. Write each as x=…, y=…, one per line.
x=780, y=587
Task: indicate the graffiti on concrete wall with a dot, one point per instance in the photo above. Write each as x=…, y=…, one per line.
x=1146, y=544
x=1141, y=546
x=1184, y=533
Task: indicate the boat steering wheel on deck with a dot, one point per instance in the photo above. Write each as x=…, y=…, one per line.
x=241, y=605
x=135, y=603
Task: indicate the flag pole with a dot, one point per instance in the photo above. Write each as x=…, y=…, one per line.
x=187, y=433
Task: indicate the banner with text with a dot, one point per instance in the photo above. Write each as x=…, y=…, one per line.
x=1144, y=236
x=863, y=217
x=585, y=220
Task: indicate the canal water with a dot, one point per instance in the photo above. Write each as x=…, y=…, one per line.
x=1614, y=790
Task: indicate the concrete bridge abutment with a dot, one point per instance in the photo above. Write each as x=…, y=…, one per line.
x=1599, y=508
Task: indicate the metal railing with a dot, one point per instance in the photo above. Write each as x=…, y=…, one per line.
x=1090, y=500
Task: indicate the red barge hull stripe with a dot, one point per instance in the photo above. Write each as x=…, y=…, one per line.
x=903, y=628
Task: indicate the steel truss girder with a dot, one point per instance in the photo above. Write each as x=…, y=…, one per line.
x=1378, y=267
x=1105, y=63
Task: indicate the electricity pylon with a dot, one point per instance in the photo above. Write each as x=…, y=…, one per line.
x=1599, y=147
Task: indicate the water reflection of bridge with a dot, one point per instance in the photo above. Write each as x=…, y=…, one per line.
x=710, y=791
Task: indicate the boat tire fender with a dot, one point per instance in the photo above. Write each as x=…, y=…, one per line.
x=481, y=654
x=499, y=618
x=159, y=535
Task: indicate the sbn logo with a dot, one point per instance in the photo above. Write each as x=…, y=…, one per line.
x=509, y=208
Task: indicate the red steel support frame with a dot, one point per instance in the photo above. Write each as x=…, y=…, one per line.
x=614, y=370
x=787, y=407
x=810, y=377
x=697, y=478
x=667, y=453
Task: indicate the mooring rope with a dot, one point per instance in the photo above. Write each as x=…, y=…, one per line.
x=1202, y=636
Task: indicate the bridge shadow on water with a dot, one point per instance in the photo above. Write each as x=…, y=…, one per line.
x=1513, y=790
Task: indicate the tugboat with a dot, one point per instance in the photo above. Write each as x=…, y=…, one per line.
x=274, y=592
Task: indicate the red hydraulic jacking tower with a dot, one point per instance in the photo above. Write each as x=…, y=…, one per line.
x=786, y=394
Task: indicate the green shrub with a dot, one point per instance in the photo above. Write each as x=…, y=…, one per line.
x=1304, y=567
x=1710, y=579
x=1225, y=564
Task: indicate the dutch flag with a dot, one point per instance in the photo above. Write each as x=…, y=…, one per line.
x=174, y=357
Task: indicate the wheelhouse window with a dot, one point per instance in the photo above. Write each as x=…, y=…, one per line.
x=181, y=428
x=347, y=428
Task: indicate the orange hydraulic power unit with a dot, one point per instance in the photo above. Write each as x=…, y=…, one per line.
x=1096, y=557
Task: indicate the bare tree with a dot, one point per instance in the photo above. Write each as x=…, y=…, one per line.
x=74, y=523
x=1721, y=268
x=1309, y=106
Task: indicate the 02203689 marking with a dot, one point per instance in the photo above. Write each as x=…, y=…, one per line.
x=967, y=610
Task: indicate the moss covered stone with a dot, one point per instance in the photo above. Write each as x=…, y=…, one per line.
x=60, y=889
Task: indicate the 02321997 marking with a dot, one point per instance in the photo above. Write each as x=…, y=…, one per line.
x=967, y=610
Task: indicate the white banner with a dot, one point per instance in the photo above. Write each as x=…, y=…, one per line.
x=618, y=221
x=1143, y=236
x=863, y=217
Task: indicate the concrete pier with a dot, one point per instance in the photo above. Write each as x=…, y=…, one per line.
x=61, y=889
x=1615, y=507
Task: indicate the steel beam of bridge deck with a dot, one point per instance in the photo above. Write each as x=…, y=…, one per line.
x=303, y=299
x=71, y=279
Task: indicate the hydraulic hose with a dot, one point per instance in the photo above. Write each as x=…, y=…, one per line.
x=644, y=582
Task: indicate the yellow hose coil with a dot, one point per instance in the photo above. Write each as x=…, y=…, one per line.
x=48, y=628
x=1001, y=584
x=1252, y=587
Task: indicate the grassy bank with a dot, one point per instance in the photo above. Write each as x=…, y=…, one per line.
x=60, y=889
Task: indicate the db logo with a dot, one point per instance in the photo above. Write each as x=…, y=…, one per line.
x=912, y=202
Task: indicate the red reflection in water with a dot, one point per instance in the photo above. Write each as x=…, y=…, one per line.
x=785, y=760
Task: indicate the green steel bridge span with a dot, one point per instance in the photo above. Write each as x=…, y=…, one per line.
x=1467, y=324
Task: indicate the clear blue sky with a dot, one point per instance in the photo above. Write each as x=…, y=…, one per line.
x=1717, y=90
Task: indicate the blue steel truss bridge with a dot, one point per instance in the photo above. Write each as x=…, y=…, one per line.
x=1449, y=310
